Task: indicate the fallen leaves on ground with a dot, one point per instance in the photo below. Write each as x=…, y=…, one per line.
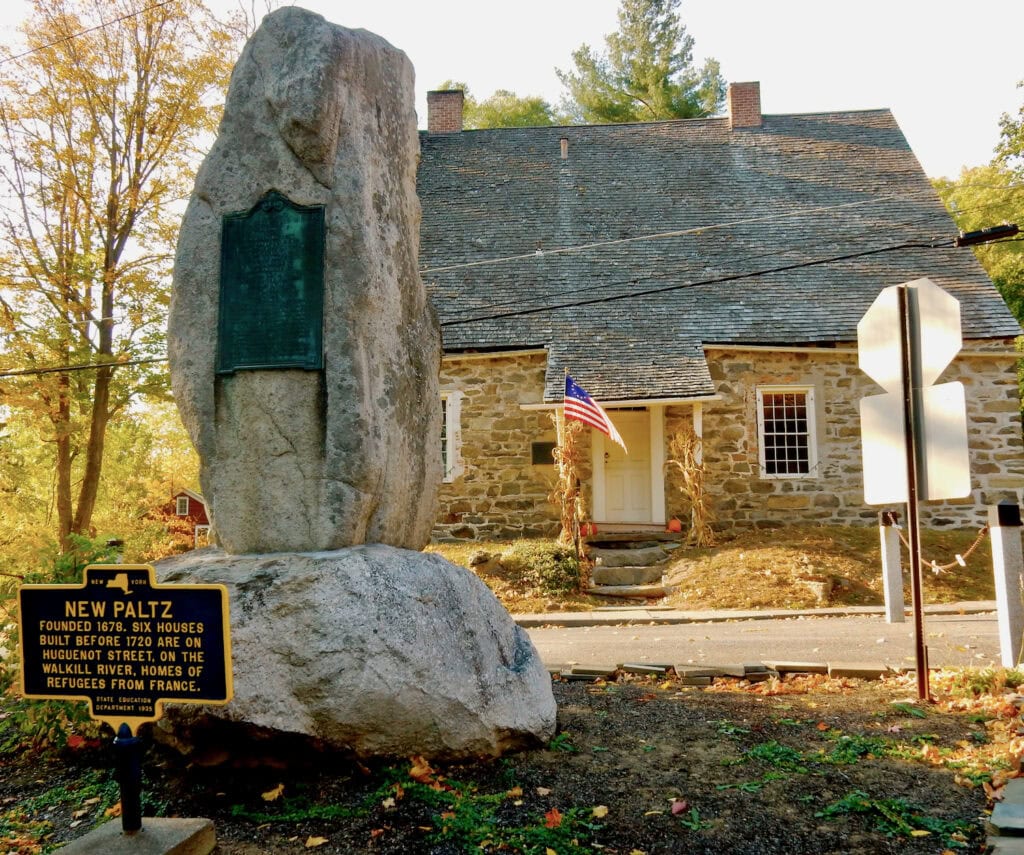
x=274, y=794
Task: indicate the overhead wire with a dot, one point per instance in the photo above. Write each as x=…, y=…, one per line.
x=100, y=26
x=631, y=280
x=935, y=244
x=679, y=286
x=586, y=247
x=537, y=310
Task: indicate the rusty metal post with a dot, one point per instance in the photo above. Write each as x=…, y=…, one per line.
x=911, y=423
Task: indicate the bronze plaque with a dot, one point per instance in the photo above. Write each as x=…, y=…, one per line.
x=271, y=287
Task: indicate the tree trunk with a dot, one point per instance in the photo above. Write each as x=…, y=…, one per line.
x=94, y=452
x=62, y=425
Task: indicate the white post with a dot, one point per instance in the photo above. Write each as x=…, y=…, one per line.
x=892, y=566
x=1007, y=564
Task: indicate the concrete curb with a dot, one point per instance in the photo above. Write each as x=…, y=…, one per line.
x=705, y=675
x=633, y=615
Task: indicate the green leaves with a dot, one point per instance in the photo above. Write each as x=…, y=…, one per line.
x=646, y=72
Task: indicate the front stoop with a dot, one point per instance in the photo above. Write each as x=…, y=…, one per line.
x=630, y=575
x=629, y=564
x=640, y=592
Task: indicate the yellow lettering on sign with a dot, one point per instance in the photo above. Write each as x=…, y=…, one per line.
x=143, y=608
x=84, y=608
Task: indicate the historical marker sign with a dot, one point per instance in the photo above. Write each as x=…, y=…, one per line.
x=125, y=644
x=271, y=287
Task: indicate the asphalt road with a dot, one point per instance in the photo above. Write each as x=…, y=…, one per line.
x=952, y=640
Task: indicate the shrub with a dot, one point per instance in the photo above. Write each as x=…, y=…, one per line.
x=552, y=567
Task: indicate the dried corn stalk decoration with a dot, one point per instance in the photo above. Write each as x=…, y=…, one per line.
x=684, y=450
x=567, y=494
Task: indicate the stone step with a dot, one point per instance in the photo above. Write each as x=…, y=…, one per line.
x=626, y=575
x=642, y=557
x=632, y=591
x=606, y=534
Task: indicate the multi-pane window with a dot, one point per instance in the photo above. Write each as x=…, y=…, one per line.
x=451, y=459
x=445, y=451
x=181, y=508
x=785, y=422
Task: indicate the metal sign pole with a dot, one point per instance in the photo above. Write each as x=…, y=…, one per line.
x=911, y=421
x=128, y=762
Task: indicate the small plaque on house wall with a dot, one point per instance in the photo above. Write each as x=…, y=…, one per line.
x=543, y=453
x=271, y=287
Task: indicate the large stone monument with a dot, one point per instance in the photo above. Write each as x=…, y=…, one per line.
x=304, y=361
x=304, y=352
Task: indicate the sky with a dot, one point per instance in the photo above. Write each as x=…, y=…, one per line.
x=947, y=70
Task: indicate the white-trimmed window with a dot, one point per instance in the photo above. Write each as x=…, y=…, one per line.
x=181, y=506
x=451, y=435
x=785, y=432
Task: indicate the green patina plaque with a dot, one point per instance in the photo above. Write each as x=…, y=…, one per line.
x=271, y=287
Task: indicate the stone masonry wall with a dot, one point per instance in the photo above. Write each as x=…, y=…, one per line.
x=743, y=498
x=499, y=493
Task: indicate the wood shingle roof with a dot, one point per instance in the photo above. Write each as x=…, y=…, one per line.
x=703, y=215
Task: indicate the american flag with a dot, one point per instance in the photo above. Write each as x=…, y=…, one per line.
x=580, y=406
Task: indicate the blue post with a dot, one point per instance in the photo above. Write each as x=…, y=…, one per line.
x=128, y=760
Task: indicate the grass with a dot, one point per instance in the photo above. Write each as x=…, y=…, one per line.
x=772, y=566
x=896, y=817
x=461, y=815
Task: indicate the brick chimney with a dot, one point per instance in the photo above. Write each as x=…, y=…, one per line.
x=444, y=111
x=744, y=100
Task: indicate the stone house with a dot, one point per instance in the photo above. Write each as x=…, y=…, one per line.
x=705, y=274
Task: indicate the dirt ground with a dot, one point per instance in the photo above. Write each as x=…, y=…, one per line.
x=802, y=765
x=774, y=565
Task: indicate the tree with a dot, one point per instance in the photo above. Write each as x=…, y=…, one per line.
x=1010, y=150
x=982, y=197
x=646, y=73
x=148, y=456
x=504, y=109
x=100, y=122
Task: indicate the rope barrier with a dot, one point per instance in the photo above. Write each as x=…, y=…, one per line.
x=958, y=559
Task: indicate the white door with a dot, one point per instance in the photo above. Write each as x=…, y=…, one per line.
x=627, y=477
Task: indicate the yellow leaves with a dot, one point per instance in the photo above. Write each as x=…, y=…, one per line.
x=549, y=851
x=919, y=832
x=313, y=842
x=421, y=770
x=274, y=794
x=599, y=812
x=994, y=793
x=514, y=793
x=113, y=810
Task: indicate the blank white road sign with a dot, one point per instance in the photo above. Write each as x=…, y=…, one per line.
x=947, y=471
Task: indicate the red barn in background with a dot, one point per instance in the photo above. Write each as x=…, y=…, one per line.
x=187, y=510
